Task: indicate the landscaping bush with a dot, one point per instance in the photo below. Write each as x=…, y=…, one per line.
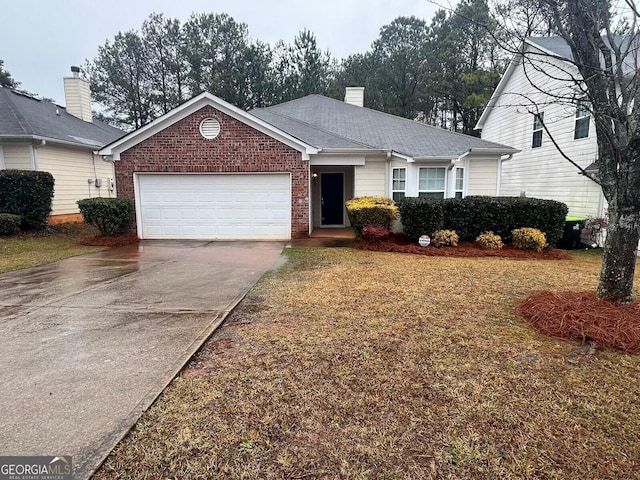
x=28, y=194
x=374, y=234
x=420, y=216
x=469, y=217
x=109, y=215
x=9, y=223
x=445, y=238
x=489, y=241
x=374, y=211
x=529, y=239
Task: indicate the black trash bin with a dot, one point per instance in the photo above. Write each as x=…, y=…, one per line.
x=571, y=238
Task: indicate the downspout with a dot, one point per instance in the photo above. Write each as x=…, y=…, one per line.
x=387, y=175
x=109, y=159
x=451, y=190
x=34, y=155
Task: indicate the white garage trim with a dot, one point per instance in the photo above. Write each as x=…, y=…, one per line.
x=213, y=206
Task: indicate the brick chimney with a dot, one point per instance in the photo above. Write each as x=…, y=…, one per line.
x=354, y=96
x=77, y=96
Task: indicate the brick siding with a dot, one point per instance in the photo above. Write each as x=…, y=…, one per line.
x=238, y=148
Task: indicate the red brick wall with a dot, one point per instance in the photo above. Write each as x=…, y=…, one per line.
x=238, y=148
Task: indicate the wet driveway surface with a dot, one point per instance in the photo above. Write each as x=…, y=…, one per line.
x=89, y=342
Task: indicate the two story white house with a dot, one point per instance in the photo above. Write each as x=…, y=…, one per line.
x=539, y=86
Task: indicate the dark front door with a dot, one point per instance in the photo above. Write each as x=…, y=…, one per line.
x=332, y=192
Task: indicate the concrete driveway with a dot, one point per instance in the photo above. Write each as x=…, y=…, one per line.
x=88, y=343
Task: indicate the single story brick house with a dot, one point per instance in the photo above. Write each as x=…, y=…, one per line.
x=208, y=170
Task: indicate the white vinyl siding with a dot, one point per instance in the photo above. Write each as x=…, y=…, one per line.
x=483, y=177
x=542, y=172
x=370, y=179
x=72, y=168
x=214, y=206
x=17, y=156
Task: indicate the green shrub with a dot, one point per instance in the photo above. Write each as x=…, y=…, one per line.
x=469, y=217
x=420, y=216
x=529, y=239
x=28, y=194
x=445, y=238
x=374, y=211
x=489, y=241
x=9, y=223
x=109, y=215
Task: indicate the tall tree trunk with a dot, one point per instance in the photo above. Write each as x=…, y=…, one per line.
x=620, y=255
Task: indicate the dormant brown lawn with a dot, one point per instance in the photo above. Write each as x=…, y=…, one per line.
x=357, y=365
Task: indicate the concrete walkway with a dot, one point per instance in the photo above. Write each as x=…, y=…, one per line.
x=88, y=343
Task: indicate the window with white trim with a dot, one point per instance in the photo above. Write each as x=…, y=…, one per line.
x=582, y=120
x=538, y=118
x=399, y=183
x=459, y=186
x=431, y=182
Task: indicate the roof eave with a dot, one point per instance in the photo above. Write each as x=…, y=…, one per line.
x=56, y=141
x=191, y=106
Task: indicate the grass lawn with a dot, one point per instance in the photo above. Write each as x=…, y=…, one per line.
x=50, y=245
x=359, y=365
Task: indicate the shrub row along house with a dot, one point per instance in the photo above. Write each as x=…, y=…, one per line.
x=207, y=170
x=42, y=136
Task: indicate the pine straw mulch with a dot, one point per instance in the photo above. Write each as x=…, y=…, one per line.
x=581, y=316
x=399, y=244
x=119, y=240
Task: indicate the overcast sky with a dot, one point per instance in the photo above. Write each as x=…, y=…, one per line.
x=41, y=39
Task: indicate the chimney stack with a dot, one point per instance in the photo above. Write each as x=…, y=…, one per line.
x=77, y=96
x=354, y=96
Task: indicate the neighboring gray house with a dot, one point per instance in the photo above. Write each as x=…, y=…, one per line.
x=209, y=170
x=39, y=135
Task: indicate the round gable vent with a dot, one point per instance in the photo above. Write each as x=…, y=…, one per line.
x=210, y=128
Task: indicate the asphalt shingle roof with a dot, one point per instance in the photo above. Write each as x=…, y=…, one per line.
x=22, y=116
x=327, y=123
x=559, y=47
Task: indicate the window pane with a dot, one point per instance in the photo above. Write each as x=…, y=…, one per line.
x=431, y=194
x=582, y=128
x=459, y=178
x=397, y=196
x=537, y=139
x=538, y=118
x=458, y=194
x=431, y=179
x=399, y=173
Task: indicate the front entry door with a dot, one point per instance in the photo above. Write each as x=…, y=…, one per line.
x=332, y=198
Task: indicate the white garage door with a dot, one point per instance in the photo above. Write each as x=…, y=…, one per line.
x=214, y=206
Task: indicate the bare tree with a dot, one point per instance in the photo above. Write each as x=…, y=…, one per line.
x=597, y=71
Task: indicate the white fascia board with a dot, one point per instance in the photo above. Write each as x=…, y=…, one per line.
x=191, y=106
x=407, y=158
x=337, y=159
x=493, y=151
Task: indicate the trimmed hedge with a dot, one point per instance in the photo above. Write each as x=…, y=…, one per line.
x=28, y=194
x=109, y=215
x=9, y=223
x=471, y=216
x=420, y=216
x=371, y=211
